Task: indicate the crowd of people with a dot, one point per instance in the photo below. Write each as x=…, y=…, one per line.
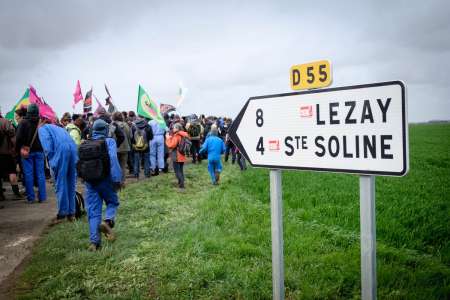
x=101, y=150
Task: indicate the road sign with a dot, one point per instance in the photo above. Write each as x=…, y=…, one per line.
x=358, y=129
x=311, y=75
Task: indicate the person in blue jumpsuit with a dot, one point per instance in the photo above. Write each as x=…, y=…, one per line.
x=214, y=147
x=62, y=156
x=105, y=190
x=157, y=147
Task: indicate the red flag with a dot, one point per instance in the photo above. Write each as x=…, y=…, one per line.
x=77, y=96
x=45, y=110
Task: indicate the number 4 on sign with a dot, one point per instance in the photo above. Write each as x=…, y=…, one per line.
x=260, y=146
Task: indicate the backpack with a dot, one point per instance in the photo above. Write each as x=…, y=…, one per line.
x=140, y=140
x=93, y=164
x=194, y=130
x=184, y=146
x=80, y=209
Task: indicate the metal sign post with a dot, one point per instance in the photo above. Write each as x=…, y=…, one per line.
x=360, y=129
x=368, y=237
x=276, y=213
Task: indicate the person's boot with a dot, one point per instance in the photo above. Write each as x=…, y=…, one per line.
x=217, y=175
x=58, y=220
x=93, y=247
x=106, y=229
x=16, y=191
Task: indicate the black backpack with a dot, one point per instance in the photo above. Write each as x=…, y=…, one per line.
x=80, y=210
x=184, y=146
x=93, y=164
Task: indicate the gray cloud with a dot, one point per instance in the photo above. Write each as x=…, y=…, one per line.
x=223, y=52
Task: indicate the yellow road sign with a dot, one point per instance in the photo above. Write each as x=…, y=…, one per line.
x=311, y=75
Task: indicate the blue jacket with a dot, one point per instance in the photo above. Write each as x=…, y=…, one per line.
x=57, y=144
x=116, y=172
x=157, y=129
x=214, y=146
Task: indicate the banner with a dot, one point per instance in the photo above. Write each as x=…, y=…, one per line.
x=166, y=108
x=87, y=105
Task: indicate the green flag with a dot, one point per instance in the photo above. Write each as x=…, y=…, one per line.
x=24, y=101
x=147, y=107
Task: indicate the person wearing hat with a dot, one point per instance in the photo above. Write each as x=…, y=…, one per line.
x=214, y=147
x=103, y=190
x=178, y=159
x=29, y=146
x=62, y=156
x=65, y=120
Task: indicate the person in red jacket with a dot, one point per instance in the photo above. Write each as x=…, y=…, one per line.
x=178, y=159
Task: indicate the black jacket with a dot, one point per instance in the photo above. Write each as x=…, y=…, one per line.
x=24, y=134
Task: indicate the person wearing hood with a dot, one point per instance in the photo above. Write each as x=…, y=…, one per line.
x=62, y=156
x=29, y=145
x=114, y=131
x=178, y=159
x=141, y=136
x=104, y=189
x=214, y=147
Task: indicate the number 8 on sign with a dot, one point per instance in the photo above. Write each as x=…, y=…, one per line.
x=259, y=117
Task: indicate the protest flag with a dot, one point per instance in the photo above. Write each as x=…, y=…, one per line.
x=87, y=105
x=147, y=107
x=77, y=96
x=24, y=101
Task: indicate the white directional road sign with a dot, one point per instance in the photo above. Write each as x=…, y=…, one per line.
x=354, y=129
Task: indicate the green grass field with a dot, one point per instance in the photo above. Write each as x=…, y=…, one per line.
x=214, y=242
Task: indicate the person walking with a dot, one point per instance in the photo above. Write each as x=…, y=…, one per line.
x=214, y=147
x=62, y=155
x=195, y=131
x=173, y=140
x=157, y=148
x=30, y=149
x=124, y=148
x=7, y=159
x=99, y=168
x=141, y=136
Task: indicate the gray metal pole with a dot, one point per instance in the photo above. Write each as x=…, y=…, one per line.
x=276, y=212
x=368, y=237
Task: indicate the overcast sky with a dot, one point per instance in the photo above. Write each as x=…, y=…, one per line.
x=222, y=51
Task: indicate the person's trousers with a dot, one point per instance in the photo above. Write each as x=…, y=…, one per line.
x=65, y=184
x=157, y=152
x=130, y=161
x=138, y=156
x=95, y=195
x=178, y=168
x=213, y=167
x=230, y=148
x=123, y=158
x=241, y=161
x=34, y=166
x=195, y=148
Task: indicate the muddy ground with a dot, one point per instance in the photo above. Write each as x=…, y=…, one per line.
x=21, y=225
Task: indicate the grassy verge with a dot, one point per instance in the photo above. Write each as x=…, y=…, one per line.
x=214, y=242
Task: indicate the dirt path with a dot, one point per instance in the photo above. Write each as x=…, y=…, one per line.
x=21, y=224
